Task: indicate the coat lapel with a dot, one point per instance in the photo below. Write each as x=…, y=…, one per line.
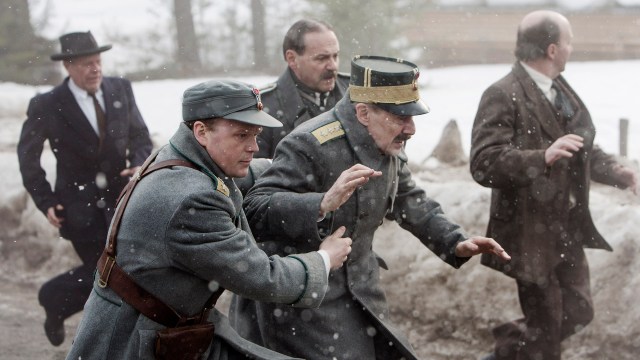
x=73, y=115
x=580, y=123
x=110, y=101
x=290, y=99
x=543, y=111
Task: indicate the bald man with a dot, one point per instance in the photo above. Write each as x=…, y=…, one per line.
x=533, y=145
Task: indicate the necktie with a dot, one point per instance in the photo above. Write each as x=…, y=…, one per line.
x=562, y=103
x=102, y=122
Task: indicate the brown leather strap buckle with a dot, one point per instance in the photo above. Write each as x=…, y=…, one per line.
x=106, y=271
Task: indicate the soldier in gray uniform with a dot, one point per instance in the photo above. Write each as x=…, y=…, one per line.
x=184, y=235
x=308, y=87
x=347, y=168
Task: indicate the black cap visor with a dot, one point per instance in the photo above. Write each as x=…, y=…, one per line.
x=409, y=109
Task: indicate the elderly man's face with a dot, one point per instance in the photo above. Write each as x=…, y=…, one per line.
x=86, y=71
x=389, y=131
x=230, y=144
x=317, y=67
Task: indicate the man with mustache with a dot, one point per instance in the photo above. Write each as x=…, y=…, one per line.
x=308, y=87
x=347, y=168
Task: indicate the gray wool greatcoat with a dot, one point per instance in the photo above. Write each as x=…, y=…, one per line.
x=283, y=209
x=532, y=215
x=182, y=235
x=282, y=100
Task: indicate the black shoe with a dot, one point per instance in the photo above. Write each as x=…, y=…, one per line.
x=491, y=356
x=54, y=329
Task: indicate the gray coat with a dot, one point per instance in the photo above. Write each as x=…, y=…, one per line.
x=182, y=235
x=282, y=101
x=283, y=210
x=531, y=214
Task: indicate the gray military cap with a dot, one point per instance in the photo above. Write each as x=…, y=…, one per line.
x=229, y=99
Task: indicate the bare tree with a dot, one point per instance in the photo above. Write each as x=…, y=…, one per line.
x=259, y=38
x=362, y=30
x=24, y=56
x=187, y=51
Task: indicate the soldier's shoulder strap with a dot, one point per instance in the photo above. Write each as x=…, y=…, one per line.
x=330, y=131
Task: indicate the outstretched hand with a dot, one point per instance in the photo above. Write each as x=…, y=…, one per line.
x=481, y=245
x=337, y=247
x=628, y=177
x=345, y=185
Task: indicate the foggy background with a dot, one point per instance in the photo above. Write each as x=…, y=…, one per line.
x=159, y=39
x=461, y=46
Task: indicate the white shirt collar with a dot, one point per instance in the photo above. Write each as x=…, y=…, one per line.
x=543, y=81
x=86, y=103
x=80, y=93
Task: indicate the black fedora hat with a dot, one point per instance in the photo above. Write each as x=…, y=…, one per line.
x=389, y=83
x=78, y=44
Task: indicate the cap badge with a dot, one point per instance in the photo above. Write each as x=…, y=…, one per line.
x=256, y=92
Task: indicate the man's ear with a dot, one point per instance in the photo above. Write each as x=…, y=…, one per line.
x=290, y=56
x=200, y=132
x=552, y=50
x=362, y=113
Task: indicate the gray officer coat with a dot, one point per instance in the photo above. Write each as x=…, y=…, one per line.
x=282, y=101
x=283, y=209
x=182, y=235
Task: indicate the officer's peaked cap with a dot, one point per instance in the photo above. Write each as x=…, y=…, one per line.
x=389, y=83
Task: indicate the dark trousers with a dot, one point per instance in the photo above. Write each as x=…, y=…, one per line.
x=65, y=294
x=552, y=312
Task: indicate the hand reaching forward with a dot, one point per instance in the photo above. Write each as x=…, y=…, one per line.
x=481, y=245
x=337, y=247
x=563, y=147
x=628, y=177
x=345, y=185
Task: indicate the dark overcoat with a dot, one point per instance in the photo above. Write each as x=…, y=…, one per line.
x=87, y=178
x=283, y=209
x=282, y=101
x=182, y=235
x=536, y=210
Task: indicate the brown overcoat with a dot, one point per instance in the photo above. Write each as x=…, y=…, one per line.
x=536, y=211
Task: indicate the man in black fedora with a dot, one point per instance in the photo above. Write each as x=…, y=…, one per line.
x=98, y=137
x=347, y=167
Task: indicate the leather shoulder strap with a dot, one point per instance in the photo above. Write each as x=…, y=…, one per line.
x=112, y=275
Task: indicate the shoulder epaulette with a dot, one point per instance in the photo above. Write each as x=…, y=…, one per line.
x=222, y=187
x=328, y=132
x=268, y=88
